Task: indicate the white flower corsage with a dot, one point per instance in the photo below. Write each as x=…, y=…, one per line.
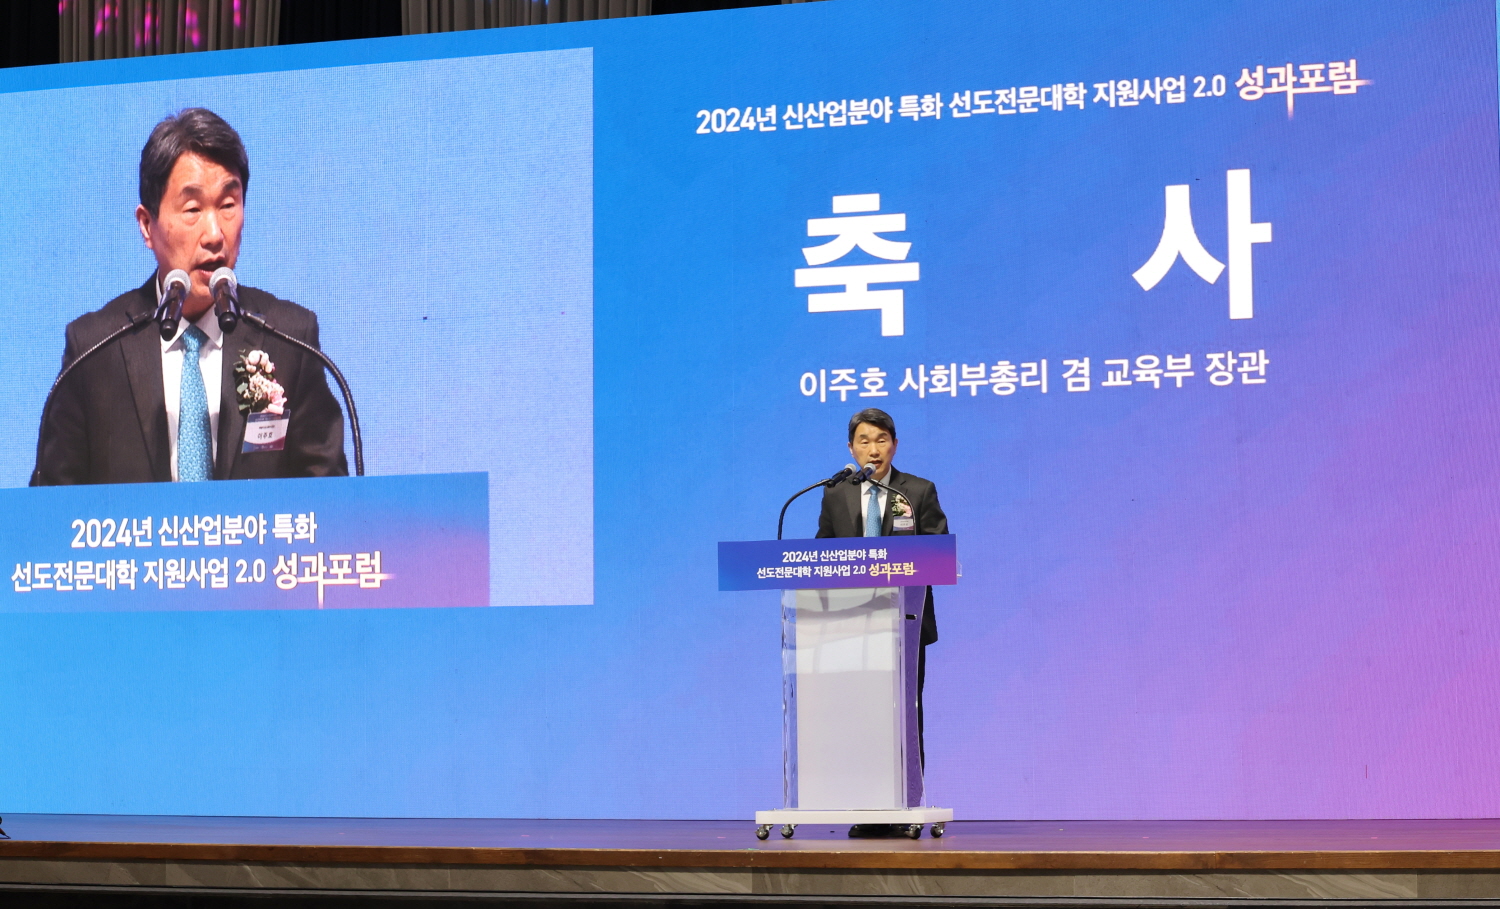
x=900, y=508
x=256, y=386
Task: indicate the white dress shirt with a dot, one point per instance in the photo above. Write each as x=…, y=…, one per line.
x=880, y=497
x=210, y=361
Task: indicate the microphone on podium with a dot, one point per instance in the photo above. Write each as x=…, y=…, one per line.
x=167, y=314
x=867, y=475
x=175, y=287
x=226, y=302
x=176, y=283
x=846, y=473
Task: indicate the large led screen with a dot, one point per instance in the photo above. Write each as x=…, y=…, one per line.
x=437, y=217
x=1187, y=309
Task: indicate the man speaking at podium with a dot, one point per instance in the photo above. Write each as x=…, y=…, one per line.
x=866, y=510
x=155, y=410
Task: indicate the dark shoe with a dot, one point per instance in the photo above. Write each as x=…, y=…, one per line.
x=875, y=831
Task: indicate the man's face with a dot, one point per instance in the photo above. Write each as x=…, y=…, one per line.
x=197, y=226
x=873, y=445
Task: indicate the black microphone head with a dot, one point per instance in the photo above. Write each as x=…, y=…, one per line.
x=168, y=323
x=866, y=472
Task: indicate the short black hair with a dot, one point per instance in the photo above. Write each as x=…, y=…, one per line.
x=875, y=417
x=195, y=129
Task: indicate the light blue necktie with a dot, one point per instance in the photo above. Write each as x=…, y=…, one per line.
x=194, y=447
x=873, y=517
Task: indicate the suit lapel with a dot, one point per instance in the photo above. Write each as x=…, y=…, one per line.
x=231, y=420
x=852, y=509
x=141, y=350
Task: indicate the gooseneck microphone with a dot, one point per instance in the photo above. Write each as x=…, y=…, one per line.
x=848, y=471
x=867, y=475
x=135, y=322
x=175, y=287
x=230, y=287
x=226, y=290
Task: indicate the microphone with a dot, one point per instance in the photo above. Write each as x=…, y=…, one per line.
x=259, y=321
x=175, y=289
x=829, y=483
x=840, y=477
x=867, y=475
x=136, y=321
x=226, y=290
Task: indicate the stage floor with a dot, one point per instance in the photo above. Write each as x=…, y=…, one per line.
x=1154, y=859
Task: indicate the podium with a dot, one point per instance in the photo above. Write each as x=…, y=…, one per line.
x=851, y=625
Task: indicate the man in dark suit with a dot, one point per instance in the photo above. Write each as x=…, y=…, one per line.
x=154, y=410
x=866, y=510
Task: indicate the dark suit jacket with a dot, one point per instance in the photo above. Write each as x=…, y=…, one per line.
x=108, y=421
x=841, y=518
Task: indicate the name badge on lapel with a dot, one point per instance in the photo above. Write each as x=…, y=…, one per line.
x=266, y=431
x=903, y=524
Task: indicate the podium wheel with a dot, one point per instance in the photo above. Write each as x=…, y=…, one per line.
x=763, y=832
x=788, y=830
x=914, y=831
x=937, y=829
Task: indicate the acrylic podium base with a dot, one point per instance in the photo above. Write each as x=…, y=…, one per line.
x=913, y=818
x=851, y=748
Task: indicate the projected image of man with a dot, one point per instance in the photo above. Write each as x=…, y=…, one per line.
x=868, y=510
x=150, y=409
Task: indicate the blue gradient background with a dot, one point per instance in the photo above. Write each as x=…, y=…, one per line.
x=1244, y=602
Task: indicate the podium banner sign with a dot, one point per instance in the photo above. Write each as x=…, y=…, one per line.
x=901, y=561
x=333, y=542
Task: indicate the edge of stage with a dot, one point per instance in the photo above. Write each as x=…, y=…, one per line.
x=1140, y=860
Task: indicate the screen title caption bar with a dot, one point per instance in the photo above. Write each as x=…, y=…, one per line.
x=391, y=542
x=357, y=569
x=1339, y=77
